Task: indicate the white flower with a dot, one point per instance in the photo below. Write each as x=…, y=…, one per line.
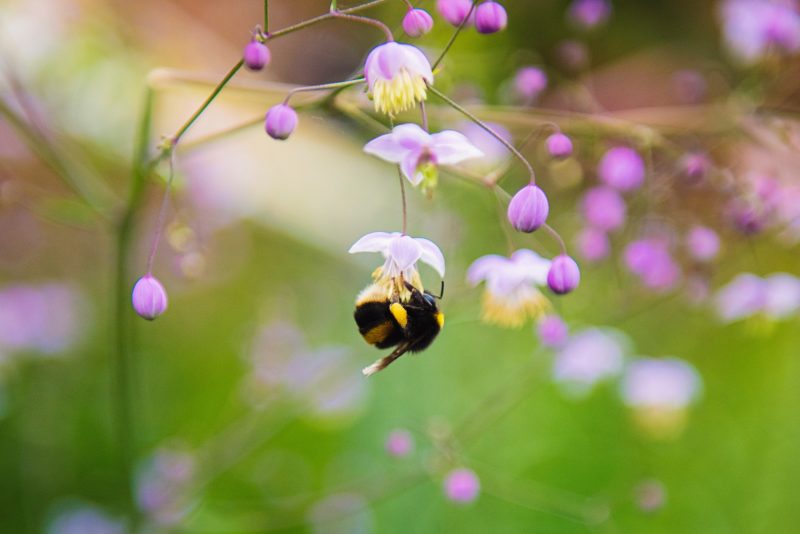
x=397, y=76
x=418, y=152
x=667, y=383
x=401, y=253
x=589, y=357
x=511, y=293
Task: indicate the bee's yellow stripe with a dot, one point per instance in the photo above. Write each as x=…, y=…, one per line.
x=399, y=313
x=440, y=319
x=378, y=333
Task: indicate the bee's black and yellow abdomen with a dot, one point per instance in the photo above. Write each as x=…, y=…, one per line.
x=377, y=325
x=423, y=327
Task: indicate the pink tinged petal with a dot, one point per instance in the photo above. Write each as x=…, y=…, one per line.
x=373, y=242
x=411, y=136
x=416, y=63
x=431, y=255
x=405, y=251
x=409, y=168
x=388, y=148
x=484, y=267
x=450, y=147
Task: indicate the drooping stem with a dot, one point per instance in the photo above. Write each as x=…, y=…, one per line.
x=409, y=4
x=323, y=87
x=424, y=113
x=162, y=212
x=557, y=237
x=487, y=128
x=366, y=20
x=266, y=16
x=454, y=36
x=403, y=198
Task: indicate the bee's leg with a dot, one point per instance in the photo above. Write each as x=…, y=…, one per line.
x=386, y=361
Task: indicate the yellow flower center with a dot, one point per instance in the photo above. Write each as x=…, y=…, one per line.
x=512, y=312
x=398, y=94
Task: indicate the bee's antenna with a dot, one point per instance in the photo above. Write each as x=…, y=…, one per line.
x=441, y=291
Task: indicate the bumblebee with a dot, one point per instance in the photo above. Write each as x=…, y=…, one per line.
x=411, y=325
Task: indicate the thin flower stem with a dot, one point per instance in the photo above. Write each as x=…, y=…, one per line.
x=557, y=237
x=326, y=16
x=409, y=4
x=323, y=87
x=266, y=16
x=122, y=355
x=488, y=129
x=366, y=20
x=403, y=197
x=162, y=212
x=220, y=86
x=424, y=113
x=454, y=36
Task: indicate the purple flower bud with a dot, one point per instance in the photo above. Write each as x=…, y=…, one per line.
x=690, y=86
x=417, y=22
x=604, y=208
x=400, y=443
x=256, y=55
x=703, y=243
x=559, y=146
x=564, y=275
x=149, y=297
x=552, y=331
x=651, y=261
x=593, y=244
x=695, y=167
x=746, y=216
x=573, y=55
x=622, y=168
x=454, y=11
x=529, y=208
x=462, y=486
x=590, y=14
x=281, y=121
x=529, y=82
x=490, y=17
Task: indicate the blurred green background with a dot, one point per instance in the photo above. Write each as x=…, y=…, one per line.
x=257, y=238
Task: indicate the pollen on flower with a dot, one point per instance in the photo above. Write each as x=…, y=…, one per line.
x=513, y=312
x=399, y=93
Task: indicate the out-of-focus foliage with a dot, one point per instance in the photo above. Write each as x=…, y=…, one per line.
x=672, y=407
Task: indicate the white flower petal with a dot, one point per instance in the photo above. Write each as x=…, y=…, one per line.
x=431, y=254
x=388, y=148
x=411, y=136
x=404, y=251
x=530, y=266
x=485, y=267
x=416, y=63
x=450, y=147
x=374, y=242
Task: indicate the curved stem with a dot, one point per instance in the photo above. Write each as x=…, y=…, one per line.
x=162, y=212
x=323, y=87
x=488, y=129
x=366, y=20
x=557, y=237
x=326, y=16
